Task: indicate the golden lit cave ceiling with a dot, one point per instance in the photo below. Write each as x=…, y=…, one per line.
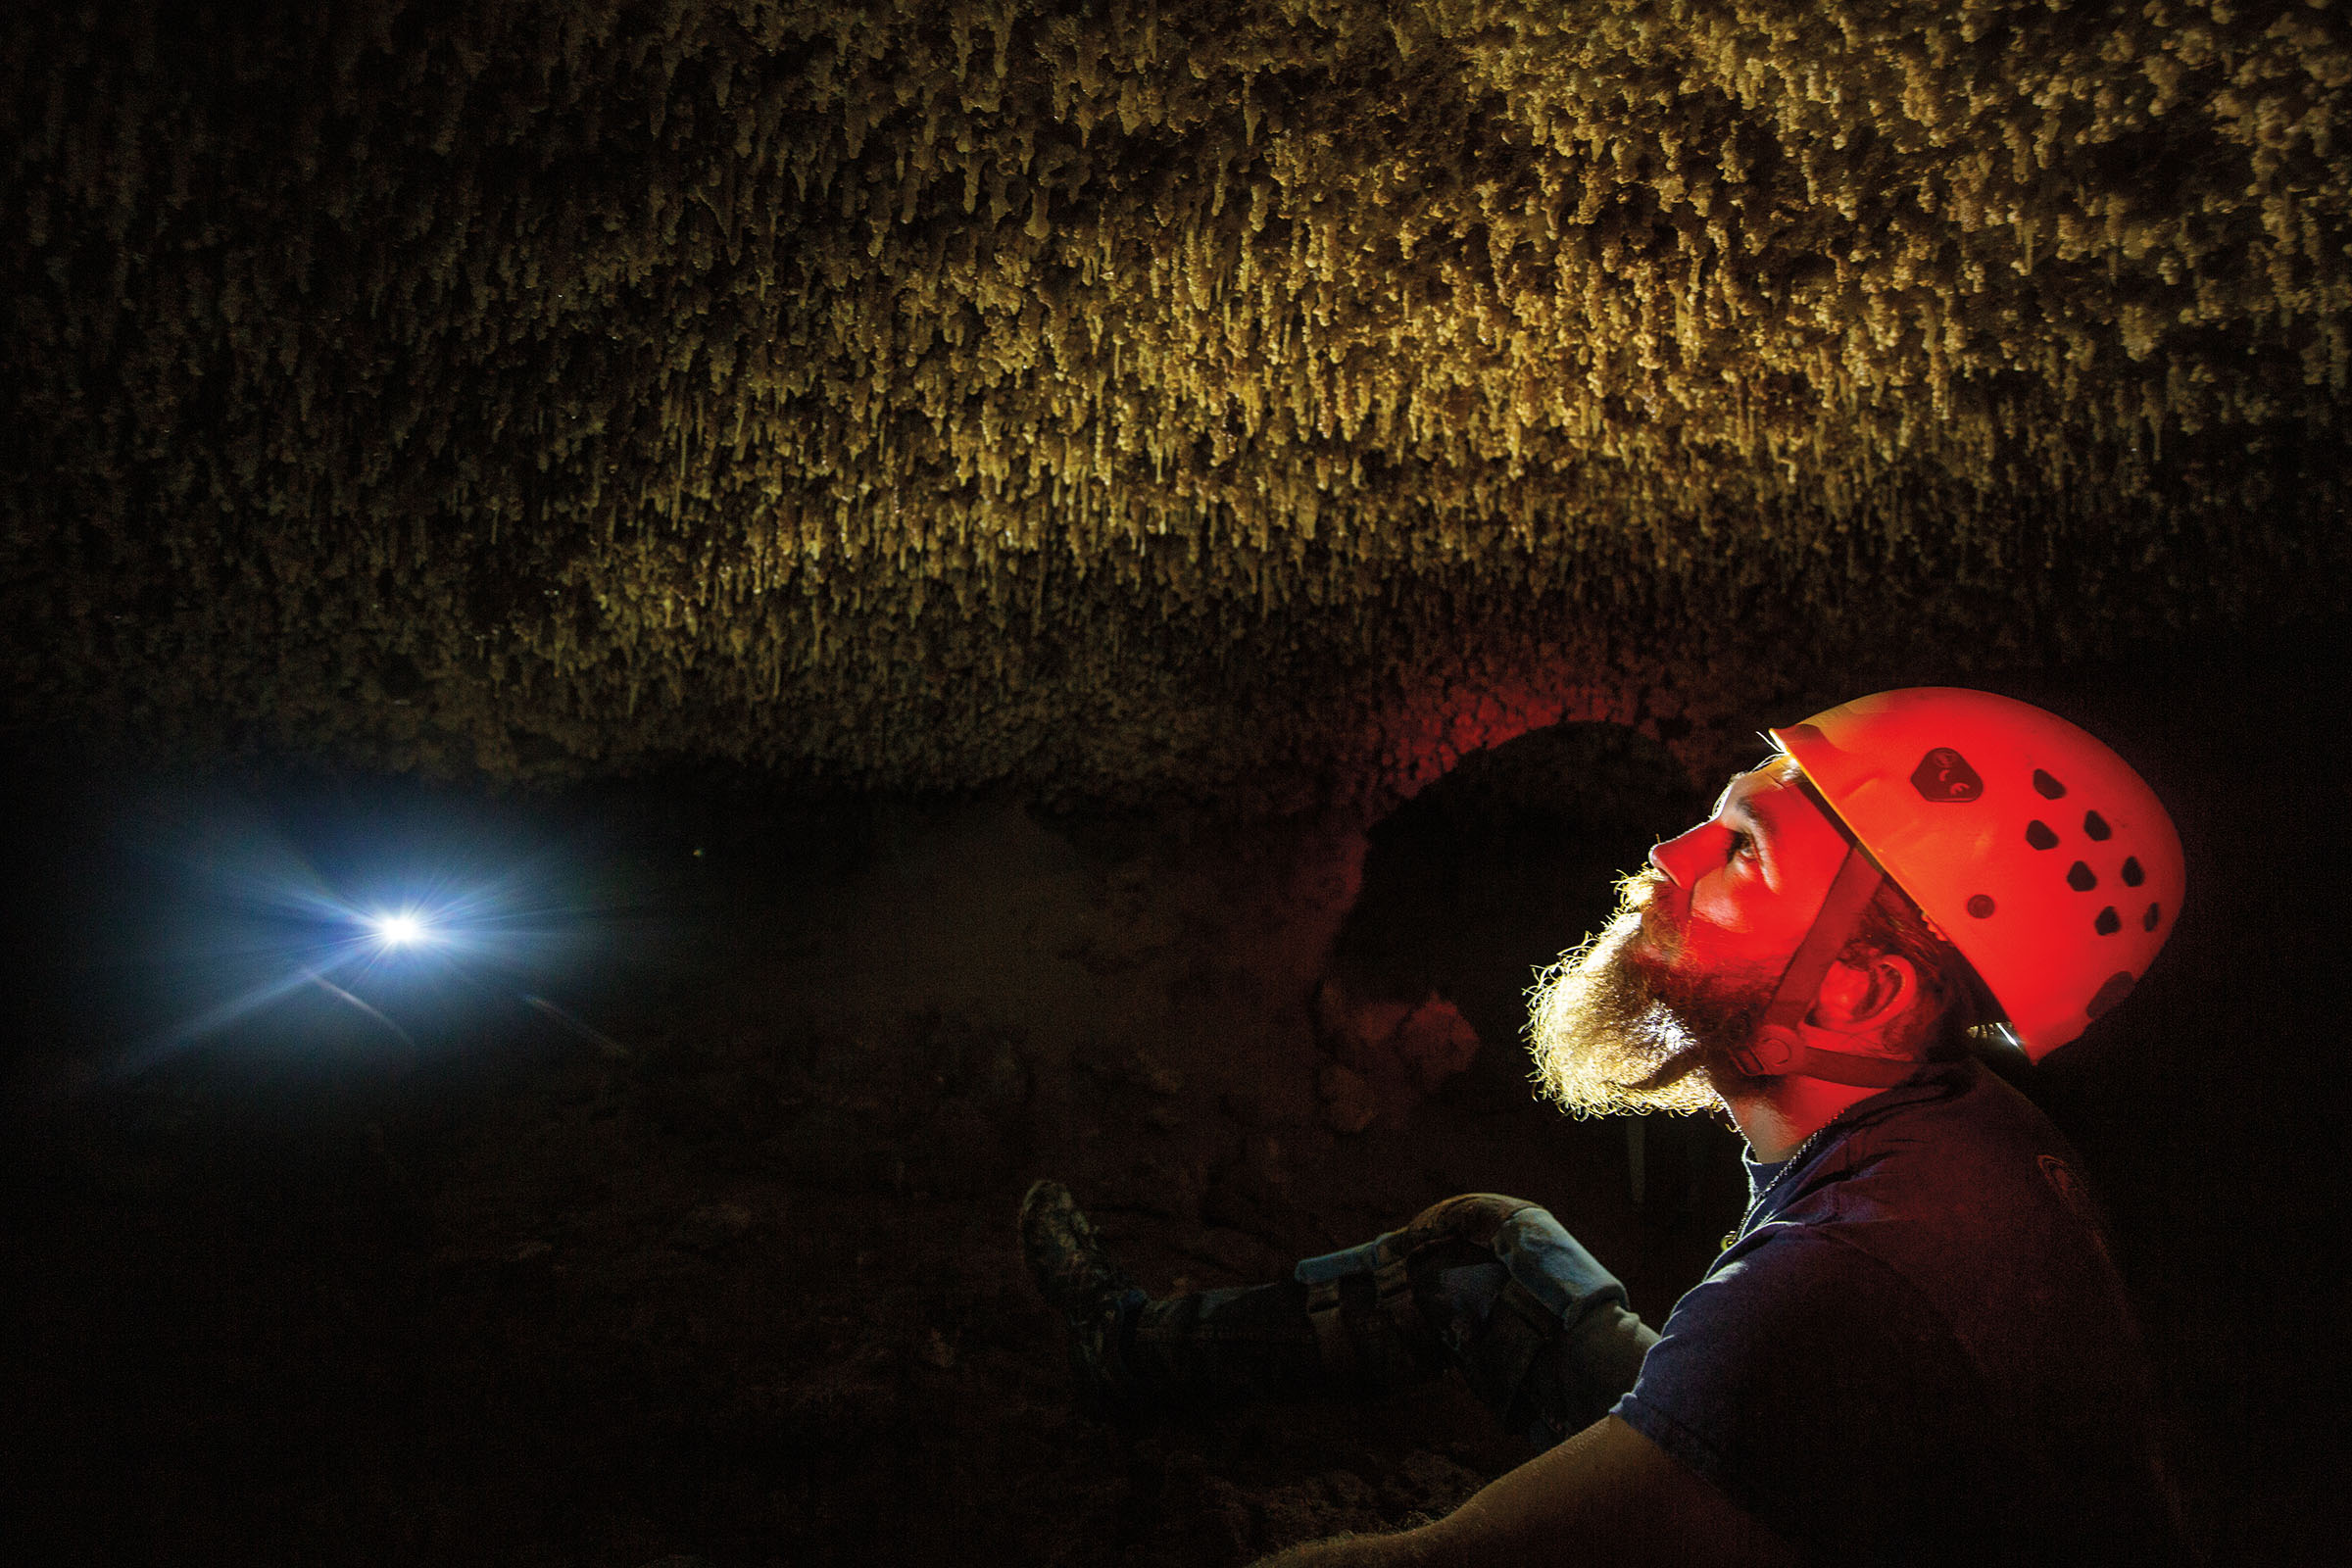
x=1123, y=396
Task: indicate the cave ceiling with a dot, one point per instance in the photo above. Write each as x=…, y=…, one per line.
x=1121, y=395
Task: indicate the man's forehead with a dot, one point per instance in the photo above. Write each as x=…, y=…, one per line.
x=1763, y=790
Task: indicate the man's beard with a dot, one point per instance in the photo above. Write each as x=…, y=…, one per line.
x=1614, y=1028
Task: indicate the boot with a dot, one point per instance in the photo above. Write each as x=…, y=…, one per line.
x=1096, y=1298
x=1130, y=1353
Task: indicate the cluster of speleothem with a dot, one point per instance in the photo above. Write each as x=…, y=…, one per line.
x=1122, y=395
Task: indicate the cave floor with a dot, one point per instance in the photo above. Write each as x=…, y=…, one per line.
x=748, y=1293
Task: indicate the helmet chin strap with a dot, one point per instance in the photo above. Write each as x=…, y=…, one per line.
x=1777, y=1048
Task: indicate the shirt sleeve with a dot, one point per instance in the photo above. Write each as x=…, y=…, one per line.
x=1814, y=1387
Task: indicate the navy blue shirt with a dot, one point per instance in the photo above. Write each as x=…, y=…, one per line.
x=1918, y=1349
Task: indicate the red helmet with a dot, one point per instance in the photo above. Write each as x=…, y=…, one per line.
x=2033, y=847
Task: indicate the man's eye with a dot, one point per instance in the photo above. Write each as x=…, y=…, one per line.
x=1743, y=844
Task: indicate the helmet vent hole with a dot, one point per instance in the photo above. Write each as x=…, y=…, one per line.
x=2081, y=878
x=2154, y=917
x=2109, y=922
x=2096, y=826
x=2039, y=833
x=1980, y=906
x=2047, y=787
x=2134, y=876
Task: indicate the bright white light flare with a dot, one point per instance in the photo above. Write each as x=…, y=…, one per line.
x=401, y=930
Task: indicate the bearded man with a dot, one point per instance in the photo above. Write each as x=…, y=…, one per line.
x=1915, y=1347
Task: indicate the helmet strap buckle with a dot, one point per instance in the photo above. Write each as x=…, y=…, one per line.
x=1770, y=1052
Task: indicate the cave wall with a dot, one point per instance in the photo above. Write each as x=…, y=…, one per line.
x=1109, y=397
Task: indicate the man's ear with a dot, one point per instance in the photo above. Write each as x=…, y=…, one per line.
x=1855, y=999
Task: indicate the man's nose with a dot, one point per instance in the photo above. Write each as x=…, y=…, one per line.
x=1678, y=858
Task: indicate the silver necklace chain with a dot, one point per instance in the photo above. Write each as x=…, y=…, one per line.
x=1756, y=1202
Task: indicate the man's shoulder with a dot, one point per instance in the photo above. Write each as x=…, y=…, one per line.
x=1970, y=1151
x=1976, y=1203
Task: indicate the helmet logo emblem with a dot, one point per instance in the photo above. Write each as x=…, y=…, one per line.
x=1943, y=774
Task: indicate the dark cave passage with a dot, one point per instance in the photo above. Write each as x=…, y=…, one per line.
x=1469, y=885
